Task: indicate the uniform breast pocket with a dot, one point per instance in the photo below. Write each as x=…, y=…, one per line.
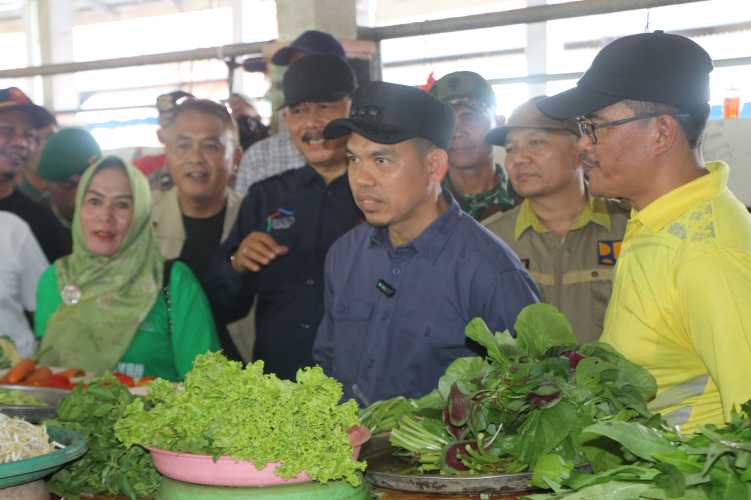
x=351, y=321
x=439, y=330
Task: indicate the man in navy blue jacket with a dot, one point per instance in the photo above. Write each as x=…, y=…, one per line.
x=400, y=289
x=287, y=223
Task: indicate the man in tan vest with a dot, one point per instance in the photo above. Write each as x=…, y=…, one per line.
x=568, y=239
x=192, y=218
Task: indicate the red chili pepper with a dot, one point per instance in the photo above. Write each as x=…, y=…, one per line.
x=59, y=381
x=145, y=381
x=124, y=379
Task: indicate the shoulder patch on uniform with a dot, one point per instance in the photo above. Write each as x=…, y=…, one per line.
x=608, y=252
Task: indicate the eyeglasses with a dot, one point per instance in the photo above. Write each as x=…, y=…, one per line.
x=587, y=127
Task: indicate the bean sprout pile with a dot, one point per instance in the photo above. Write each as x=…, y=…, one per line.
x=20, y=440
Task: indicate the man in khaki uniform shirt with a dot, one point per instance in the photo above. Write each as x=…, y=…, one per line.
x=568, y=240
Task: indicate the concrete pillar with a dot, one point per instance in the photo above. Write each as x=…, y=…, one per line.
x=338, y=17
x=32, y=86
x=237, y=37
x=537, y=51
x=55, y=21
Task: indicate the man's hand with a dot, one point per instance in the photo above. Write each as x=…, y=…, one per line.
x=256, y=250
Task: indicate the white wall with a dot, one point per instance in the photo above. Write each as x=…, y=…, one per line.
x=730, y=141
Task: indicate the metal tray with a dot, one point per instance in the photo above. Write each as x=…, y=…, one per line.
x=35, y=414
x=383, y=471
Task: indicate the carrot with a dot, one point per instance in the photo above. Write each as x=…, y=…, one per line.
x=39, y=377
x=72, y=372
x=20, y=371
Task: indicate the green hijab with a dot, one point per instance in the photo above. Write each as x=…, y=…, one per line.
x=112, y=295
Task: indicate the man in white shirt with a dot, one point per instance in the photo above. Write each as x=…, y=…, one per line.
x=21, y=264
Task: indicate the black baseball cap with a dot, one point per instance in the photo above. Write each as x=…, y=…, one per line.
x=13, y=98
x=310, y=42
x=388, y=113
x=317, y=78
x=653, y=67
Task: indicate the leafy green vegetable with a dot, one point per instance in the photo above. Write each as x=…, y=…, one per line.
x=8, y=355
x=542, y=326
x=225, y=410
x=107, y=467
x=659, y=463
x=550, y=471
x=14, y=397
x=530, y=397
x=642, y=441
x=383, y=415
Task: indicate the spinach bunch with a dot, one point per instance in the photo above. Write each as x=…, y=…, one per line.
x=108, y=466
x=651, y=461
x=530, y=396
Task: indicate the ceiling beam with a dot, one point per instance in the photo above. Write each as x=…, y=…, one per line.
x=510, y=17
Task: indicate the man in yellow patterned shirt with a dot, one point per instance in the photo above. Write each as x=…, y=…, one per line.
x=681, y=303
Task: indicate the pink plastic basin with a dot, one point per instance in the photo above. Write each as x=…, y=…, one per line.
x=202, y=469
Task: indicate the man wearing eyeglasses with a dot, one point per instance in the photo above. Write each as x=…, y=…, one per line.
x=566, y=238
x=681, y=303
x=20, y=120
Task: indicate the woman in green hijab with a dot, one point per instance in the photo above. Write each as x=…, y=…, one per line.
x=105, y=306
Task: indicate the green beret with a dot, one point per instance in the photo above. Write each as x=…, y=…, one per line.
x=67, y=153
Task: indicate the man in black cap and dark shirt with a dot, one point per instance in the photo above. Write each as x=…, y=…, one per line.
x=400, y=289
x=20, y=120
x=681, y=301
x=288, y=222
x=276, y=153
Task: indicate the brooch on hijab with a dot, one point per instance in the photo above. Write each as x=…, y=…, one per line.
x=71, y=295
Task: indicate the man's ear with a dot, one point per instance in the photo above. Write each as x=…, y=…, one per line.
x=161, y=135
x=666, y=132
x=438, y=163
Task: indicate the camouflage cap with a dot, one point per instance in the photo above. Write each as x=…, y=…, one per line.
x=464, y=87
